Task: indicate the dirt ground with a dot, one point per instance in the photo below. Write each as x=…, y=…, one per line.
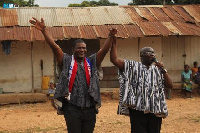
x=184, y=117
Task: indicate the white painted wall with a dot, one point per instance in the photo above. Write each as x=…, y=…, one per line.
x=42, y=51
x=173, y=48
x=126, y=48
x=16, y=69
x=192, y=48
x=130, y=48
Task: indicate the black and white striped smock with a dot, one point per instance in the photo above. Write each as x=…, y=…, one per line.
x=141, y=89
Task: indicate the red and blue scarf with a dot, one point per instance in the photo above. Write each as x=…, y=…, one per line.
x=73, y=70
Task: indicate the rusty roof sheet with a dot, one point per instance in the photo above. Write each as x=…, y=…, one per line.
x=95, y=22
x=193, y=11
x=145, y=14
x=8, y=17
x=133, y=31
x=87, y=32
x=56, y=32
x=22, y=33
x=36, y=34
x=171, y=13
x=163, y=30
x=159, y=14
x=148, y=29
x=189, y=29
x=172, y=28
x=102, y=31
x=186, y=16
x=6, y=33
x=133, y=14
x=72, y=32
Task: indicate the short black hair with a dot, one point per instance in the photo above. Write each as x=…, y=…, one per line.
x=186, y=65
x=77, y=41
x=195, y=63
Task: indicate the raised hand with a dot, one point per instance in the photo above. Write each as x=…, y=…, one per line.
x=113, y=32
x=37, y=24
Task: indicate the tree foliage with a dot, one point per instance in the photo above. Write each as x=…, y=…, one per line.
x=20, y=3
x=93, y=3
x=163, y=2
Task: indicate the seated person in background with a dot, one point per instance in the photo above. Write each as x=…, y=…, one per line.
x=186, y=77
x=197, y=77
x=194, y=69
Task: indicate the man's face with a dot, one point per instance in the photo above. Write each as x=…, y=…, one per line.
x=80, y=50
x=147, y=56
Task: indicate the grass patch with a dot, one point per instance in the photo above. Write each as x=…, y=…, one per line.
x=196, y=119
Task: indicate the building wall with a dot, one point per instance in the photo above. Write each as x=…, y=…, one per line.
x=42, y=51
x=15, y=68
x=178, y=51
x=127, y=49
x=192, y=46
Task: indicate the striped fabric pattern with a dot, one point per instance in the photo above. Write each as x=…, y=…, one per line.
x=141, y=89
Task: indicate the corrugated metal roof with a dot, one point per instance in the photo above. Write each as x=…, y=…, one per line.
x=148, y=29
x=36, y=34
x=190, y=29
x=56, y=32
x=193, y=11
x=133, y=14
x=180, y=10
x=103, y=31
x=95, y=22
x=72, y=32
x=6, y=33
x=133, y=31
x=172, y=28
x=169, y=10
x=87, y=32
x=22, y=33
x=164, y=31
x=159, y=14
x=8, y=17
x=145, y=14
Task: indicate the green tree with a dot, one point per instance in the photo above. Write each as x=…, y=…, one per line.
x=93, y=3
x=74, y=5
x=85, y=4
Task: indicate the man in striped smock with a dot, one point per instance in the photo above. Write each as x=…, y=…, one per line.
x=142, y=87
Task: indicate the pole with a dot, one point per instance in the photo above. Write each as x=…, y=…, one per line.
x=32, y=71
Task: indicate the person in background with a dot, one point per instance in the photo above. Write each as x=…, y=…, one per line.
x=197, y=77
x=194, y=69
x=186, y=77
x=78, y=87
x=142, y=86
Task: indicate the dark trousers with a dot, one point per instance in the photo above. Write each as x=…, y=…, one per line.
x=79, y=120
x=144, y=123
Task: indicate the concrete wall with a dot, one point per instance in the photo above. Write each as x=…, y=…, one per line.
x=178, y=51
x=16, y=68
x=42, y=51
x=172, y=51
x=127, y=49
